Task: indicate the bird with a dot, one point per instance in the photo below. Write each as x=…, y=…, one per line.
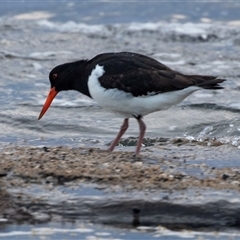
x=129, y=84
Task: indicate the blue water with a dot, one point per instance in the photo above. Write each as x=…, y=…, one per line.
x=101, y=12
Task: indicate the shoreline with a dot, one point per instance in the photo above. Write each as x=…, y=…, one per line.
x=46, y=184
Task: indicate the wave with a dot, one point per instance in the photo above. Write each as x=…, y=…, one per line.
x=166, y=31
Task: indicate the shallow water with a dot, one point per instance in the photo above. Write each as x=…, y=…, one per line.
x=82, y=212
x=75, y=119
x=196, y=38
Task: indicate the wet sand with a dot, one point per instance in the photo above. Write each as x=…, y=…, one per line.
x=119, y=168
x=22, y=166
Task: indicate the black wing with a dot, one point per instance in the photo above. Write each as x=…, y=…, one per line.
x=141, y=75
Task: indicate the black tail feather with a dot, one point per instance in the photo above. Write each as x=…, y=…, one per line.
x=207, y=82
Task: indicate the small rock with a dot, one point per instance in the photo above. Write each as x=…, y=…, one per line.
x=51, y=179
x=235, y=182
x=164, y=176
x=45, y=149
x=136, y=210
x=138, y=164
x=40, y=216
x=225, y=176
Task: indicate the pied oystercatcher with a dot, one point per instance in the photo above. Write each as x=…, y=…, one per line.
x=129, y=84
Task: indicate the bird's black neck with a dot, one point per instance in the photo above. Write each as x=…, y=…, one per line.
x=80, y=77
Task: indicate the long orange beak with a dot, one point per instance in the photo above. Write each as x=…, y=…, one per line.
x=51, y=95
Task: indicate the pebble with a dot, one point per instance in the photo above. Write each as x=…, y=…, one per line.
x=235, y=182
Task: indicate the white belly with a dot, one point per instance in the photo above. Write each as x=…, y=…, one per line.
x=126, y=104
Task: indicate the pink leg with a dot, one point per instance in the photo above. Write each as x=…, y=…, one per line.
x=123, y=129
x=142, y=128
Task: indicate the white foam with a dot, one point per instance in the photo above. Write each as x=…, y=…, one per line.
x=195, y=30
x=192, y=29
x=180, y=62
x=71, y=26
x=37, y=66
x=169, y=58
x=36, y=55
x=34, y=15
x=167, y=55
x=162, y=231
x=45, y=231
x=47, y=54
x=235, y=105
x=102, y=234
x=204, y=94
x=144, y=26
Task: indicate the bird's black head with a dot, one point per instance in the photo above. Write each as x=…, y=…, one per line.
x=63, y=76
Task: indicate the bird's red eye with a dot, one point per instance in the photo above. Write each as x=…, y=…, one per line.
x=54, y=76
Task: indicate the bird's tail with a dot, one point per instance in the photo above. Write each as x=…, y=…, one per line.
x=207, y=82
